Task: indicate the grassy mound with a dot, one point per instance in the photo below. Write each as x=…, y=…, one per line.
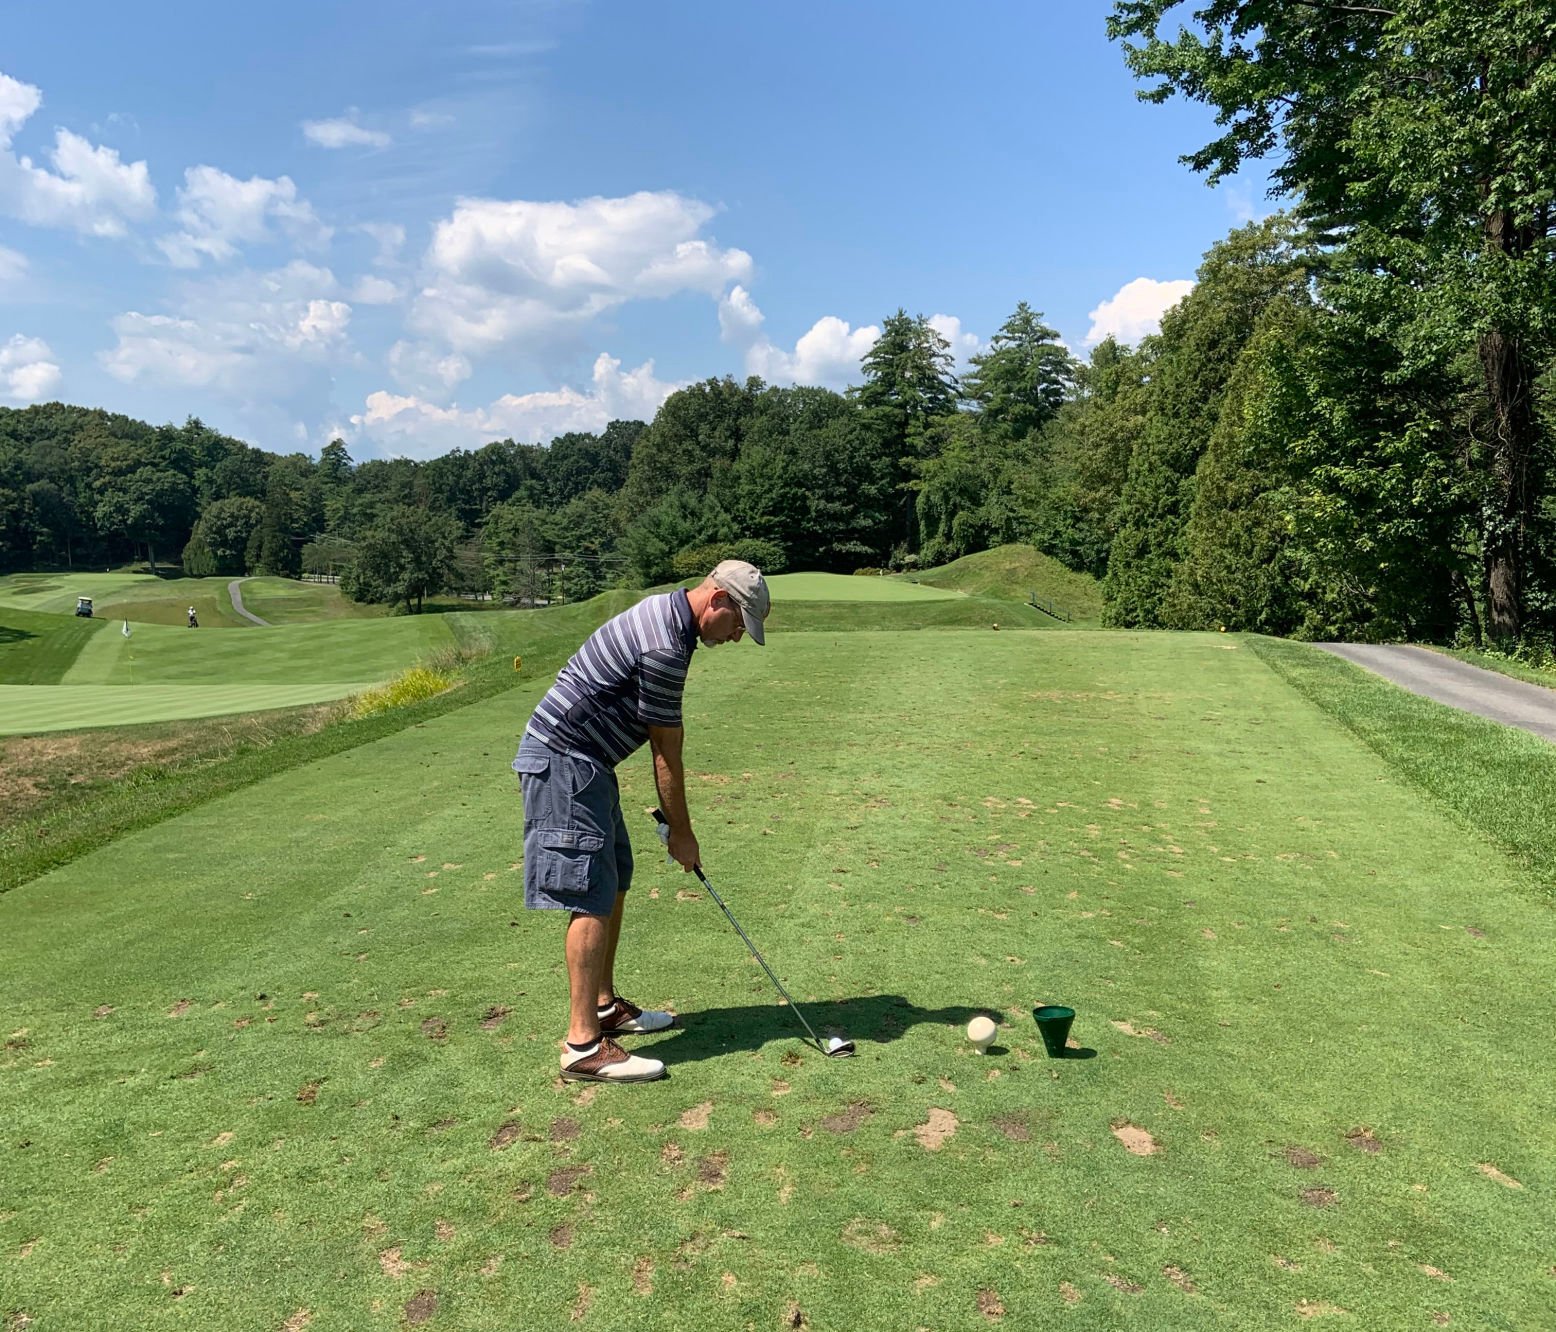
x=801, y=587
x=953, y=612
x=1014, y=572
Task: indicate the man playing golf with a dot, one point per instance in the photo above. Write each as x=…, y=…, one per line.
x=621, y=688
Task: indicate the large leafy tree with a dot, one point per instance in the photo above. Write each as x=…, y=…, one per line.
x=405, y=556
x=1422, y=132
x=152, y=505
x=1023, y=379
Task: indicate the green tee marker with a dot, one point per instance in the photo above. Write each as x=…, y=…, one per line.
x=1053, y=1020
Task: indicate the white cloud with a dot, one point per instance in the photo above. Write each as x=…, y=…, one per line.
x=13, y=266
x=344, y=132
x=90, y=189
x=219, y=213
x=26, y=372
x=1135, y=310
x=964, y=346
x=499, y=271
x=248, y=335
x=422, y=119
x=409, y=425
x=374, y=290
x=827, y=355
x=423, y=369
x=389, y=236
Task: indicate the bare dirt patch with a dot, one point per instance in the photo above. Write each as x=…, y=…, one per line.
x=1069, y=1293
x=1123, y=1284
x=1135, y=1139
x=102, y=1010
x=1436, y=1273
x=1299, y=1158
x=421, y=1307
x=394, y=1265
x=989, y=1304
x=846, y=1121
x=559, y=1183
x=561, y=1237
x=298, y=1321
x=871, y=1236
x=1319, y=1197
x=713, y=1170
x=565, y=1130
x=492, y=1018
x=1130, y=1030
x=1180, y=1279
x=794, y=1316
x=308, y=1093
x=643, y=1276
x=934, y=1131
x=180, y=1008
x=1318, y=1309
x=1363, y=1141
x=582, y=1303
x=434, y=1029
x=1013, y=1128
x=1491, y=1172
x=765, y=1118
x=505, y=1135
x=697, y=1116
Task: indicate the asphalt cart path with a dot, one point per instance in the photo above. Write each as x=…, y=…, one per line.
x=1530, y=707
x=237, y=603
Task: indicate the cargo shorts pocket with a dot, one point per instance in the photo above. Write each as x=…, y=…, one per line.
x=564, y=858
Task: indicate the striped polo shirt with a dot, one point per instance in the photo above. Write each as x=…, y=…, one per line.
x=628, y=676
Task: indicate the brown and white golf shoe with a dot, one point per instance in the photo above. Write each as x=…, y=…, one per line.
x=609, y=1063
x=627, y=1019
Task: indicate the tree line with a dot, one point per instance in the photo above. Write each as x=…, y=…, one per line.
x=1344, y=430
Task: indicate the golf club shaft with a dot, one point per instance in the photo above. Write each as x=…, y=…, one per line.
x=697, y=869
x=664, y=823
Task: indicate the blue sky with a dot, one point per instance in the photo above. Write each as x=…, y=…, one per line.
x=422, y=227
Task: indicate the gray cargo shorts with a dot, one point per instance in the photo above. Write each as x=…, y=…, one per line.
x=577, y=854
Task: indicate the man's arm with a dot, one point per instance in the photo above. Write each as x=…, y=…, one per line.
x=670, y=780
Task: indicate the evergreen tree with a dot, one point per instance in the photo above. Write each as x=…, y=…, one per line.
x=1023, y=379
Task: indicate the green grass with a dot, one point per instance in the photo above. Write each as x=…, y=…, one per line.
x=799, y=587
x=1499, y=780
x=356, y=650
x=1014, y=572
x=39, y=649
x=28, y=710
x=1502, y=665
x=948, y=613
x=303, y=1058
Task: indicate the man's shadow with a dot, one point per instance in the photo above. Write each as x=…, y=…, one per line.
x=877, y=1019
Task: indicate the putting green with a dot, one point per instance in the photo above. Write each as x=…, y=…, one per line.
x=338, y=650
x=34, y=709
x=850, y=587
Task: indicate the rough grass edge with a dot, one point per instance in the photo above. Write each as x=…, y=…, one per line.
x=34, y=846
x=1498, y=781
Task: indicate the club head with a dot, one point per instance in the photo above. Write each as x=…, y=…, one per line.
x=837, y=1048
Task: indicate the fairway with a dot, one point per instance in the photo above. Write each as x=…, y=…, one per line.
x=34, y=709
x=295, y=1050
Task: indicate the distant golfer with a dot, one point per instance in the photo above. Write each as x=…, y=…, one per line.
x=622, y=687
x=194, y=620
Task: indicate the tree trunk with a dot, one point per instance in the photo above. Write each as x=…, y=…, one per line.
x=1514, y=443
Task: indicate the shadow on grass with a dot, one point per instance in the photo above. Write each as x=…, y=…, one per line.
x=11, y=634
x=879, y=1019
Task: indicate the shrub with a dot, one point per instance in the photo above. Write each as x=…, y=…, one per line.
x=695, y=561
x=198, y=560
x=410, y=687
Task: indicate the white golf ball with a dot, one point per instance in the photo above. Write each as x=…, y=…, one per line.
x=980, y=1031
x=833, y=1042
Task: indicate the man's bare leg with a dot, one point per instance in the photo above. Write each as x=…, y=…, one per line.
x=607, y=986
x=590, y=941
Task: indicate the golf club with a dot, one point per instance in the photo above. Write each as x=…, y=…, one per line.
x=834, y=1049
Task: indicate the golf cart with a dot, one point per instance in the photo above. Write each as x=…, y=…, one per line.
x=84, y=607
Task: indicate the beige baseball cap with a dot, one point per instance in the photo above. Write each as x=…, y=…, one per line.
x=748, y=590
